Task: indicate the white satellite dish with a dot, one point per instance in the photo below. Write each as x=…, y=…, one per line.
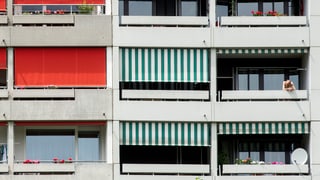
x=299, y=156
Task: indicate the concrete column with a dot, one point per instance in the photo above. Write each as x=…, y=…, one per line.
x=214, y=150
x=109, y=142
x=10, y=151
x=116, y=149
x=10, y=11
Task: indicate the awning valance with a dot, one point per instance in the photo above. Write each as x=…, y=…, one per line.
x=262, y=51
x=164, y=65
x=165, y=133
x=264, y=128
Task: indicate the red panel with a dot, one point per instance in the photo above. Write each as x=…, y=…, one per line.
x=60, y=67
x=3, y=58
x=59, y=1
x=3, y=123
x=3, y=5
x=62, y=123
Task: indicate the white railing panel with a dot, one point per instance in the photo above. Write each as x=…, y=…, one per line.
x=165, y=168
x=164, y=94
x=264, y=95
x=265, y=169
x=263, y=20
x=164, y=20
x=38, y=168
x=4, y=93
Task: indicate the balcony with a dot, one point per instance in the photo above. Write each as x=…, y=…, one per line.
x=263, y=106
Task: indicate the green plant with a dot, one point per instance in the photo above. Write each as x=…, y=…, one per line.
x=244, y=161
x=85, y=9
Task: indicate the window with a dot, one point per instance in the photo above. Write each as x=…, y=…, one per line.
x=267, y=148
x=164, y=155
x=88, y=145
x=265, y=78
x=244, y=7
x=46, y=144
x=163, y=7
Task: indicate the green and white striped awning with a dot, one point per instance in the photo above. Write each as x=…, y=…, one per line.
x=263, y=51
x=165, y=133
x=264, y=128
x=164, y=65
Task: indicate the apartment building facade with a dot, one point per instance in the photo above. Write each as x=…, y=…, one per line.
x=158, y=89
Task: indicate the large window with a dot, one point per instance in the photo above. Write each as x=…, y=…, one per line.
x=265, y=78
x=261, y=141
x=267, y=148
x=245, y=7
x=163, y=7
x=78, y=144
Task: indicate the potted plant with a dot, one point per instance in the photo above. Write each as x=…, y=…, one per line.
x=85, y=9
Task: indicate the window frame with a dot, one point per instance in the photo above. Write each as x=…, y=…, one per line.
x=175, y=11
x=76, y=131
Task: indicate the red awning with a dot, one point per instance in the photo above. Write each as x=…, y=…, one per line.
x=3, y=123
x=64, y=67
x=3, y=58
x=60, y=123
x=3, y=5
x=59, y=2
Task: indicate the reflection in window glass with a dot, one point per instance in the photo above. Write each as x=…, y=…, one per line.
x=88, y=145
x=254, y=81
x=140, y=8
x=121, y=8
x=295, y=79
x=189, y=8
x=267, y=6
x=273, y=79
x=245, y=8
x=279, y=7
x=243, y=82
x=46, y=144
x=275, y=152
x=221, y=10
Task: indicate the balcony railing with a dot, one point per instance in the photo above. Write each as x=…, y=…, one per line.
x=165, y=169
x=58, y=9
x=68, y=168
x=267, y=95
x=231, y=21
x=284, y=169
x=164, y=21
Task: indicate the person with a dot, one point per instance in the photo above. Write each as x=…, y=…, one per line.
x=288, y=85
